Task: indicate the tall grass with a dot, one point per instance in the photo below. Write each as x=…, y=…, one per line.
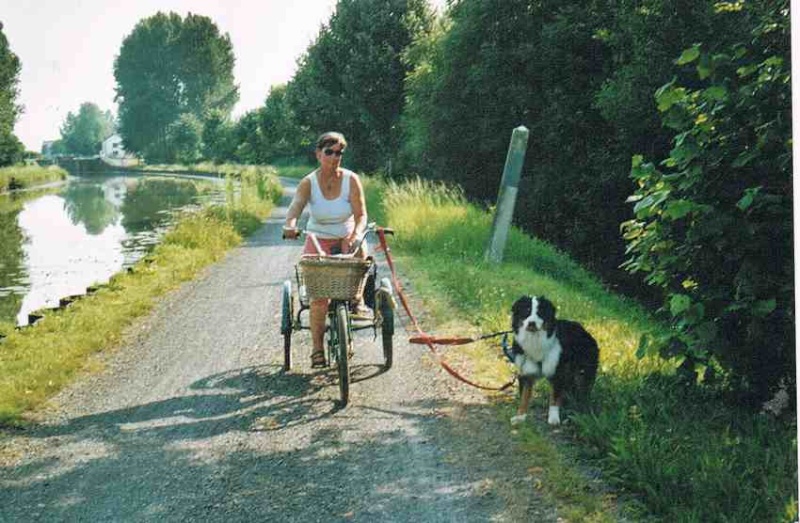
x=38, y=361
x=683, y=451
x=25, y=176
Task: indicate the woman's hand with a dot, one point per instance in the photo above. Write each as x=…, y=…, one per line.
x=290, y=233
x=349, y=243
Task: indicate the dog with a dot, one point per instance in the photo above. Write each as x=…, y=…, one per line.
x=560, y=350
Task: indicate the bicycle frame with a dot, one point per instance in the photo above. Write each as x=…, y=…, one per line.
x=339, y=323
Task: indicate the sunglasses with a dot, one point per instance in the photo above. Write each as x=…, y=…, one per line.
x=331, y=152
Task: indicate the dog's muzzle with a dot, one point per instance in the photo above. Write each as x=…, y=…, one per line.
x=531, y=327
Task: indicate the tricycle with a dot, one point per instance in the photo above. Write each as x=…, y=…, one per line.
x=340, y=278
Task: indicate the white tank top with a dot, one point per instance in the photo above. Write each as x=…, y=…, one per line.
x=330, y=218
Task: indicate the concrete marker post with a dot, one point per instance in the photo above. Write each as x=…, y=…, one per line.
x=507, y=196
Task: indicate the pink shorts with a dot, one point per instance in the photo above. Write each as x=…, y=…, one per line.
x=329, y=246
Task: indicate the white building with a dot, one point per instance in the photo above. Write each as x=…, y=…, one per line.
x=113, y=153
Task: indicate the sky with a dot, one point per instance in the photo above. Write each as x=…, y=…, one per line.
x=67, y=49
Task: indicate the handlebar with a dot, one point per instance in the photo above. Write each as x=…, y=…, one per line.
x=295, y=233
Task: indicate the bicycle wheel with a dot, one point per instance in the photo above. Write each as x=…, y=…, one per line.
x=369, y=288
x=385, y=304
x=342, y=350
x=287, y=312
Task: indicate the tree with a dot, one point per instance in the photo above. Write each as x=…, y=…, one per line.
x=185, y=138
x=580, y=75
x=11, y=149
x=169, y=67
x=351, y=78
x=84, y=133
x=281, y=135
x=713, y=226
x=218, y=137
x=249, y=144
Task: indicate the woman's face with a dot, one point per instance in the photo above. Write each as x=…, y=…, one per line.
x=330, y=156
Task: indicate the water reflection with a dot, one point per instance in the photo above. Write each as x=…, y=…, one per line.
x=86, y=203
x=57, y=244
x=145, y=202
x=11, y=259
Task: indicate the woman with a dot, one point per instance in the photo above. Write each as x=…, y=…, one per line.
x=338, y=219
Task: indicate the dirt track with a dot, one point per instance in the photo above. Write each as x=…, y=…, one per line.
x=194, y=420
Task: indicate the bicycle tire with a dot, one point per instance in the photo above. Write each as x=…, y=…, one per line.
x=369, y=287
x=387, y=333
x=287, y=312
x=342, y=349
x=384, y=302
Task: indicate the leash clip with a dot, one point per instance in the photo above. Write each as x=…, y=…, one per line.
x=507, y=348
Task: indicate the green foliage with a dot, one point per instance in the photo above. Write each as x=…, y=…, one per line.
x=170, y=70
x=351, y=77
x=83, y=133
x=281, y=135
x=713, y=225
x=270, y=133
x=184, y=136
x=682, y=451
x=26, y=176
x=691, y=457
x=11, y=149
x=218, y=137
x=580, y=76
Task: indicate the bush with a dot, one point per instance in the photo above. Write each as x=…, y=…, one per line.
x=713, y=229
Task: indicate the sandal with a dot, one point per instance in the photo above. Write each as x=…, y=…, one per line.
x=359, y=311
x=318, y=359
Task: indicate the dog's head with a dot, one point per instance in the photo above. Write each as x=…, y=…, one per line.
x=533, y=314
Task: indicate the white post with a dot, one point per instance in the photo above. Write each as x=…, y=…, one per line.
x=507, y=196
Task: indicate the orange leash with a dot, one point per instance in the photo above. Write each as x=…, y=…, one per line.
x=426, y=338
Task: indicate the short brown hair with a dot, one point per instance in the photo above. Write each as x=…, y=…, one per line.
x=331, y=138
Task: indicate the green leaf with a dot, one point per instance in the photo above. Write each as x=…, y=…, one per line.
x=679, y=208
x=686, y=152
x=668, y=95
x=689, y=55
x=763, y=308
x=745, y=158
x=747, y=200
x=716, y=93
x=705, y=66
x=747, y=70
x=679, y=303
x=644, y=343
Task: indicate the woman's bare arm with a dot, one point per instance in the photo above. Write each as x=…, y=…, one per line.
x=359, y=205
x=301, y=196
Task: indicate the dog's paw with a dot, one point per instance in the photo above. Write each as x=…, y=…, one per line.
x=519, y=419
x=554, y=416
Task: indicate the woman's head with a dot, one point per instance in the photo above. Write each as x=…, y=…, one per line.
x=330, y=147
x=331, y=138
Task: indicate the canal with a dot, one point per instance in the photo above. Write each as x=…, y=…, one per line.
x=56, y=242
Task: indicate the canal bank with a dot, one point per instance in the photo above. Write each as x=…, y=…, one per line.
x=57, y=241
x=23, y=177
x=41, y=359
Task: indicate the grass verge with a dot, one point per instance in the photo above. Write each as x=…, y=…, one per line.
x=38, y=361
x=26, y=176
x=676, y=452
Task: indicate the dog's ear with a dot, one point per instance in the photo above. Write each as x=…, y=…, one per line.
x=519, y=311
x=547, y=312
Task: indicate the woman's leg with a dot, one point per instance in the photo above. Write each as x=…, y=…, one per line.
x=319, y=309
x=360, y=306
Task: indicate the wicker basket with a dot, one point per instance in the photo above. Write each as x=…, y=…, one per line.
x=334, y=278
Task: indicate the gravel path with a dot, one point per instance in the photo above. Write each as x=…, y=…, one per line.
x=194, y=420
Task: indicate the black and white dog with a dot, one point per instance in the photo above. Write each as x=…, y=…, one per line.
x=559, y=350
